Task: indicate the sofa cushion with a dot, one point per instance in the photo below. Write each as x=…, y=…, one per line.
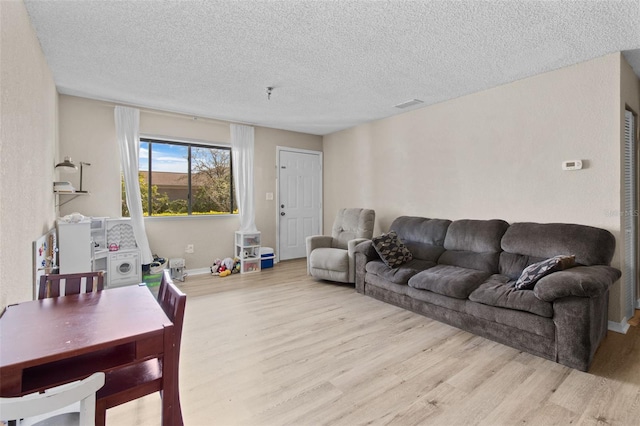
x=499, y=291
x=447, y=280
x=401, y=274
x=424, y=237
x=474, y=244
x=512, y=264
x=518, y=322
x=475, y=235
x=391, y=249
x=487, y=262
x=467, y=315
x=591, y=246
x=532, y=273
x=376, y=281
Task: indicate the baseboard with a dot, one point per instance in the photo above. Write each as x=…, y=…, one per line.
x=619, y=327
x=199, y=271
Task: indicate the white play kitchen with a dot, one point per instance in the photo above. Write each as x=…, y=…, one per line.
x=99, y=244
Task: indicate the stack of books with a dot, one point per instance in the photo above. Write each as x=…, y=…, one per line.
x=63, y=187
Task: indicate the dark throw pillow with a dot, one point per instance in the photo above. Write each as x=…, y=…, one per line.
x=532, y=273
x=391, y=250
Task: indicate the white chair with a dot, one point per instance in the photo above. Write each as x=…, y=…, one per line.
x=59, y=405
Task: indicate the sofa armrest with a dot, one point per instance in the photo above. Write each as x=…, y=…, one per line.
x=581, y=281
x=580, y=299
x=353, y=243
x=351, y=251
x=367, y=250
x=364, y=252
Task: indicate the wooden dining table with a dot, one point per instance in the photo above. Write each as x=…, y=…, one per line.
x=48, y=342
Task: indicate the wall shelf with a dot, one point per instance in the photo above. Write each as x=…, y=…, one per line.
x=73, y=195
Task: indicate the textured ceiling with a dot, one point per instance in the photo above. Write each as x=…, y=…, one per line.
x=333, y=64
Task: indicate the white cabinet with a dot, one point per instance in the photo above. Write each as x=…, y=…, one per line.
x=248, y=250
x=75, y=247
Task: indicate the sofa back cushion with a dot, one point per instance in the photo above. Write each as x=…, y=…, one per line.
x=423, y=237
x=474, y=244
x=512, y=264
x=525, y=243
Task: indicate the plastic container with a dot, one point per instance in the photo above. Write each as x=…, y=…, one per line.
x=266, y=257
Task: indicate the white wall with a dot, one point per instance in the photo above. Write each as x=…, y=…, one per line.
x=492, y=154
x=28, y=135
x=87, y=133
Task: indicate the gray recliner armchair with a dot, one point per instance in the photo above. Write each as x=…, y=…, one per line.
x=332, y=257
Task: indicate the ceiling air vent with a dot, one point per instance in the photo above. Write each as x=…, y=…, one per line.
x=409, y=103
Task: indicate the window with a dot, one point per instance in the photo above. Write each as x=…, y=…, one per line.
x=179, y=179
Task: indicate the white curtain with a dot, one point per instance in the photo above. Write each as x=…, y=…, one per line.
x=242, y=157
x=127, y=127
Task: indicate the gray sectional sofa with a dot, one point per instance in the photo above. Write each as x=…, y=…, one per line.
x=463, y=273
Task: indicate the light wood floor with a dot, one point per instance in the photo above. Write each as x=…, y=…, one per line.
x=280, y=348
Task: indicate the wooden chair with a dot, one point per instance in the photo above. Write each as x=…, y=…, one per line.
x=54, y=285
x=138, y=380
x=59, y=404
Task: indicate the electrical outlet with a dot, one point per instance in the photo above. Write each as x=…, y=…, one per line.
x=188, y=248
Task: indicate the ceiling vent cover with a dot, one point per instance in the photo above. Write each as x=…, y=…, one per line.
x=409, y=103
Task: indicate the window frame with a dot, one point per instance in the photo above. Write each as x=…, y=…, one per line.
x=189, y=143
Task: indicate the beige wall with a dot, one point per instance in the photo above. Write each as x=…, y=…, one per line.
x=28, y=140
x=493, y=154
x=87, y=133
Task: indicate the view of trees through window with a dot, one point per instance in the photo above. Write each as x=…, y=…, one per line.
x=179, y=179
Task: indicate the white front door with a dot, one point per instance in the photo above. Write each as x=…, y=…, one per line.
x=299, y=200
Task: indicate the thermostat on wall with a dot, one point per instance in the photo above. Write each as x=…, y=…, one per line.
x=572, y=165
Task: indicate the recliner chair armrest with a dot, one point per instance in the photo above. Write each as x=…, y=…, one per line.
x=581, y=281
x=316, y=241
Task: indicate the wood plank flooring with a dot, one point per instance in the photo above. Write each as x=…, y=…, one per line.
x=280, y=348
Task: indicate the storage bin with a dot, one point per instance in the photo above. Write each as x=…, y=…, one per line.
x=267, y=256
x=250, y=266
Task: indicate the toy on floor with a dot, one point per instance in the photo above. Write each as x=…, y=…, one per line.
x=228, y=263
x=215, y=268
x=220, y=267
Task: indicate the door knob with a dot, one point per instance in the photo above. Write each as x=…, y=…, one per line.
x=282, y=206
x=281, y=213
